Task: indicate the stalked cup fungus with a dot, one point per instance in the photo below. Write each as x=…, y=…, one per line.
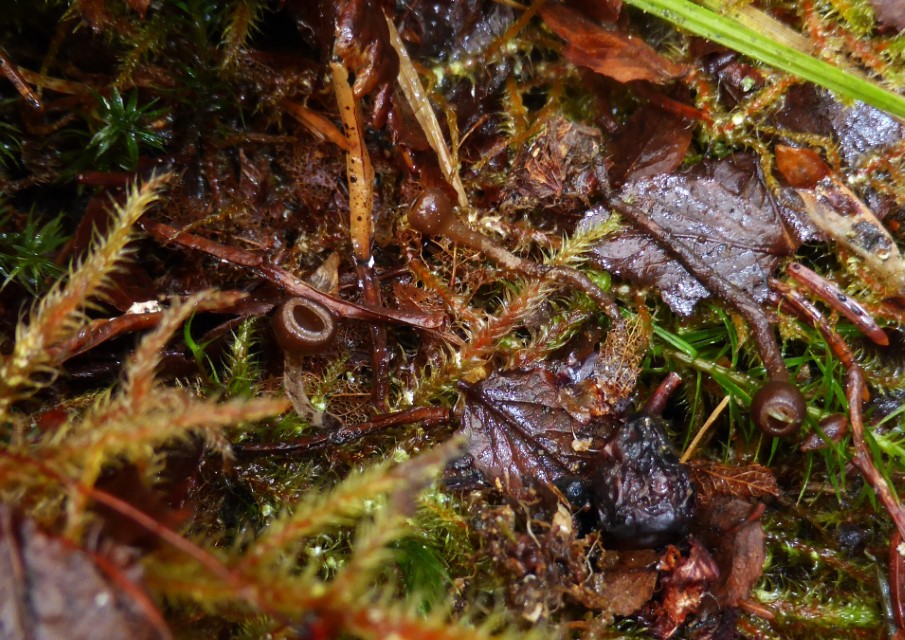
x=435, y=214
x=304, y=327
x=778, y=408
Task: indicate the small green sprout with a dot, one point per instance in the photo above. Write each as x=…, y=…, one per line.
x=126, y=126
x=26, y=255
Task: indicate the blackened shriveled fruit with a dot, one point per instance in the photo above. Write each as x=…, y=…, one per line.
x=642, y=493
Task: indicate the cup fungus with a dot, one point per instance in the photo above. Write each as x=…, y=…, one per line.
x=435, y=214
x=304, y=327
x=778, y=408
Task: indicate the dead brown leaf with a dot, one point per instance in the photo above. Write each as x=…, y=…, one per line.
x=722, y=210
x=560, y=170
x=683, y=584
x=51, y=589
x=652, y=141
x=745, y=482
x=611, y=53
x=841, y=215
x=523, y=429
x=627, y=584
x=731, y=530
x=858, y=129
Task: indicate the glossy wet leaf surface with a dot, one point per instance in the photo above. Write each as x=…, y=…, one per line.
x=524, y=430
x=722, y=211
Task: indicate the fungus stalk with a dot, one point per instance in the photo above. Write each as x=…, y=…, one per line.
x=303, y=328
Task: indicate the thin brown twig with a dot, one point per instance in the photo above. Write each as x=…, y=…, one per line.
x=793, y=300
x=12, y=74
x=344, y=435
x=164, y=233
x=661, y=395
x=101, y=330
x=836, y=299
x=862, y=458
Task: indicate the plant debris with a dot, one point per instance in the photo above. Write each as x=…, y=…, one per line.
x=405, y=319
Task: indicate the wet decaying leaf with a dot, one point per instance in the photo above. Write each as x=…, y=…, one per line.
x=627, y=582
x=731, y=529
x=544, y=567
x=52, y=589
x=524, y=430
x=842, y=216
x=683, y=584
x=651, y=142
x=561, y=170
x=723, y=211
x=858, y=129
x=612, y=53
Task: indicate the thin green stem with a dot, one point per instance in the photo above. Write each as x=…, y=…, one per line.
x=731, y=33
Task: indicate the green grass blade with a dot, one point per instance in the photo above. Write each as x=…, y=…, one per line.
x=730, y=33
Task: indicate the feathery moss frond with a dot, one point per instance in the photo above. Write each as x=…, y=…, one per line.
x=58, y=315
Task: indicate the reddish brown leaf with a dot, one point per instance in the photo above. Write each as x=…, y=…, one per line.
x=363, y=42
x=732, y=531
x=51, y=589
x=683, y=584
x=802, y=168
x=651, y=142
x=627, y=585
x=721, y=210
x=749, y=481
x=560, y=170
x=522, y=430
x=614, y=54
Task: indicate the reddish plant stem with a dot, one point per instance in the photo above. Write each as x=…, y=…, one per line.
x=140, y=518
x=111, y=179
x=136, y=593
x=897, y=580
x=662, y=394
x=835, y=298
x=741, y=302
x=862, y=458
x=12, y=74
x=165, y=234
x=99, y=331
x=343, y=435
x=793, y=300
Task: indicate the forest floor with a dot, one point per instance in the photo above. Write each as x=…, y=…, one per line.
x=459, y=319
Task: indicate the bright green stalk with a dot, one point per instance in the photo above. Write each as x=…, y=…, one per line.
x=730, y=33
